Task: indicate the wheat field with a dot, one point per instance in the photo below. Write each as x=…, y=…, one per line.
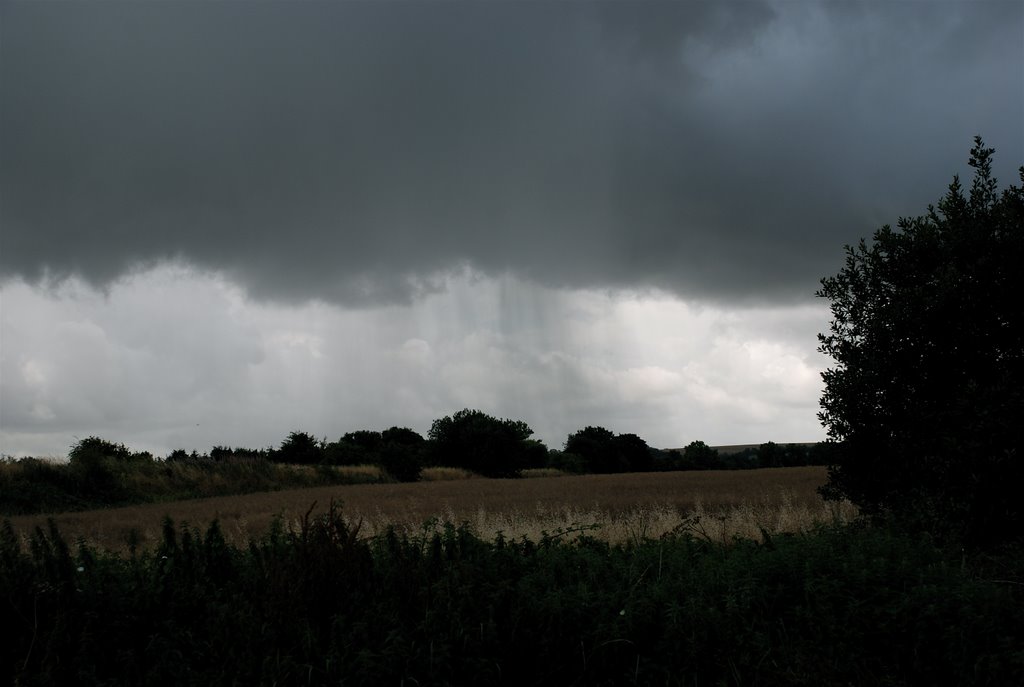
x=618, y=508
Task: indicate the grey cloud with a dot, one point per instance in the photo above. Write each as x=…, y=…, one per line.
x=353, y=152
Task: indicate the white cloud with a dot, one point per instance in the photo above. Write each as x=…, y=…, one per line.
x=174, y=358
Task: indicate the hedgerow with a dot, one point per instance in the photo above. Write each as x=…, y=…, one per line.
x=319, y=604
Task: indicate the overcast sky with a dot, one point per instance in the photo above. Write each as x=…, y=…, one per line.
x=220, y=222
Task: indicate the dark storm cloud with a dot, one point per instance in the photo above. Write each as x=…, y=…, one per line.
x=353, y=151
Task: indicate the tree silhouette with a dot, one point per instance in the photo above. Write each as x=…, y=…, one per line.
x=300, y=448
x=927, y=334
x=699, y=456
x=473, y=440
x=603, y=451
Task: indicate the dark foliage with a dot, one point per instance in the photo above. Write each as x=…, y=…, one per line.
x=567, y=462
x=400, y=451
x=94, y=449
x=701, y=456
x=402, y=436
x=95, y=480
x=318, y=605
x=299, y=449
x=94, y=463
x=927, y=393
x=602, y=451
x=475, y=441
x=223, y=453
x=181, y=455
x=355, y=448
x=42, y=486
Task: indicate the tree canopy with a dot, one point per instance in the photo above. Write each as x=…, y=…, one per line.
x=474, y=440
x=927, y=335
x=604, y=451
x=300, y=448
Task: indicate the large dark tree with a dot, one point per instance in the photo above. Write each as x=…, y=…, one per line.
x=596, y=446
x=699, y=456
x=604, y=451
x=928, y=339
x=402, y=453
x=476, y=441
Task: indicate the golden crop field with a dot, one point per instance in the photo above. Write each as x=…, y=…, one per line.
x=717, y=504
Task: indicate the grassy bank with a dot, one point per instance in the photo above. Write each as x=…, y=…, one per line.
x=321, y=604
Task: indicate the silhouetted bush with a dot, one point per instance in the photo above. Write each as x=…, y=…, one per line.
x=475, y=441
x=92, y=461
x=603, y=451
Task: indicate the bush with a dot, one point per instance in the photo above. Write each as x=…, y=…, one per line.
x=93, y=462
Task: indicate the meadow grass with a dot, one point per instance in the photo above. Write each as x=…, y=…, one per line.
x=440, y=473
x=544, y=472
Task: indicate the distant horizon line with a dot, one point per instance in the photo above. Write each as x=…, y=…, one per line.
x=736, y=448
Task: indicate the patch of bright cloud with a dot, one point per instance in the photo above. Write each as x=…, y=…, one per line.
x=174, y=358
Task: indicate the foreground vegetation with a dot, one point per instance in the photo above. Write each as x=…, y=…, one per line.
x=321, y=605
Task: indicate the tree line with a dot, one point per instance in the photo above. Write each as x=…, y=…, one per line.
x=480, y=443
x=102, y=473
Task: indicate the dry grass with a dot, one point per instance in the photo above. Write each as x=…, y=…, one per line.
x=715, y=504
x=544, y=472
x=446, y=474
x=361, y=473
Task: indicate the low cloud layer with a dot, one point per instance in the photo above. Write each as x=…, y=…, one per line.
x=172, y=359
x=358, y=153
